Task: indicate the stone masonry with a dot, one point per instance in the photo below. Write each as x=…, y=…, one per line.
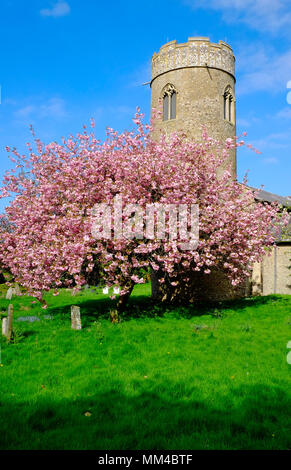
x=200, y=72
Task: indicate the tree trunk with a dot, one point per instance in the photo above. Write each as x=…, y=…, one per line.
x=123, y=299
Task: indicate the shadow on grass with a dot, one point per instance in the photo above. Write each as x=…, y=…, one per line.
x=143, y=306
x=149, y=419
x=28, y=333
x=94, y=309
x=254, y=301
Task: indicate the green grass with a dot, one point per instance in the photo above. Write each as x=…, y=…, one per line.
x=163, y=378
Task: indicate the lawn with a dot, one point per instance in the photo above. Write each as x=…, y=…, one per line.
x=163, y=378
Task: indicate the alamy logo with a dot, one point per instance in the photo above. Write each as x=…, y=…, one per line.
x=289, y=93
x=153, y=222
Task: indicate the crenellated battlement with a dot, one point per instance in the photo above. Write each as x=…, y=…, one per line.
x=197, y=52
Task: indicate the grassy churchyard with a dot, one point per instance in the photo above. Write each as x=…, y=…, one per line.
x=162, y=378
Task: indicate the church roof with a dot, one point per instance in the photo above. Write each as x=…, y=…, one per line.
x=263, y=195
x=285, y=201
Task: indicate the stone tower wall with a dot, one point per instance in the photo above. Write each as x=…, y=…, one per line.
x=200, y=72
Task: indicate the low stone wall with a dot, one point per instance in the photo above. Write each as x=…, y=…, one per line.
x=202, y=288
x=273, y=274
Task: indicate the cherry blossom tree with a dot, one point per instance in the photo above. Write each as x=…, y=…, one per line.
x=55, y=188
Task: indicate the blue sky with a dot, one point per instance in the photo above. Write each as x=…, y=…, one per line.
x=63, y=62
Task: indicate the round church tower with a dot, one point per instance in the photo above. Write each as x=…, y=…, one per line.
x=195, y=83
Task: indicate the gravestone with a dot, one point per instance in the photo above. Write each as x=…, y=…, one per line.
x=9, y=321
x=105, y=290
x=116, y=290
x=75, y=318
x=10, y=293
x=4, y=326
x=17, y=290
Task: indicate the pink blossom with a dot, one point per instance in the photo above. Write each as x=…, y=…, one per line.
x=49, y=214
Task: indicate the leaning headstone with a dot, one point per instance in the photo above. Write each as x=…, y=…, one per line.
x=105, y=290
x=75, y=318
x=9, y=321
x=17, y=290
x=9, y=293
x=4, y=326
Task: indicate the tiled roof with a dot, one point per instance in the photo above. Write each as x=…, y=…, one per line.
x=285, y=201
x=263, y=195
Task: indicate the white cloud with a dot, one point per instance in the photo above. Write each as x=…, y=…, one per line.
x=9, y=101
x=264, y=15
x=247, y=121
x=119, y=111
x=261, y=68
x=26, y=111
x=53, y=108
x=275, y=141
x=284, y=113
x=243, y=122
x=140, y=76
x=58, y=9
x=271, y=160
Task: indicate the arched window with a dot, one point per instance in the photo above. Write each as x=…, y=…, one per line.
x=173, y=105
x=166, y=107
x=228, y=105
x=169, y=95
x=225, y=105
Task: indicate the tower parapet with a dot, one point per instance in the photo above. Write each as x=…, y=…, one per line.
x=197, y=52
